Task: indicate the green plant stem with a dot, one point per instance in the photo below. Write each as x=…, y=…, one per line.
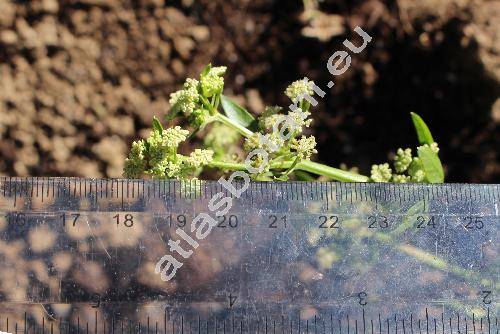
x=334, y=173
x=308, y=166
x=227, y=165
x=320, y=169
x=239, y=128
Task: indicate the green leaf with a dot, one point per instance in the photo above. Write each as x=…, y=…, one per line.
x=236, y=112
x=205, y=70
x=423, y=132
x=174, y=112
x=432, y=164
x=157, y=125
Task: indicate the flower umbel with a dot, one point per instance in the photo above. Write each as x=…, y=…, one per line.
x=174, y=136
x=200, y=158
x=402, y=160
x=212, y=82
x=135, y=163
x=157, y=156
x=299, y=89
x=305, y=147
x=186, y=99
x=381, y=173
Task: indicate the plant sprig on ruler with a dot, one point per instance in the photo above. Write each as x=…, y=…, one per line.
x=202, y=103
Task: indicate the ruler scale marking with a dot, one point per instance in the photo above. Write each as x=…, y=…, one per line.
x=333, y=258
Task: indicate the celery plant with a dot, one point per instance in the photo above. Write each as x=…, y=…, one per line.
x=202, y=103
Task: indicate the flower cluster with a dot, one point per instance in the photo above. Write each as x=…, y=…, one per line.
x=286, y=146
x=304, y=147
x=212, y=82
x=407, y=168
x=157, y=156
x=275, y=145
x=299, y=88
x=192, y=100
x=186, y=100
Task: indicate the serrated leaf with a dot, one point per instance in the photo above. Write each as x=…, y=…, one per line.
x=157, y=125
x=432, y=164
x=423, y=132
x=236, y=113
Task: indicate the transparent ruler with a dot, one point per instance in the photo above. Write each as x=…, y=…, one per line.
x=80, y=256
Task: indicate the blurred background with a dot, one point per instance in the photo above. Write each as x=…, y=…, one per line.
x=80, y=79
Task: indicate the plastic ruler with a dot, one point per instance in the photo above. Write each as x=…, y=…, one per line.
x=79, y=256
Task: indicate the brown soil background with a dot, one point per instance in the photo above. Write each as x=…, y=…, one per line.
x=80, y=79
